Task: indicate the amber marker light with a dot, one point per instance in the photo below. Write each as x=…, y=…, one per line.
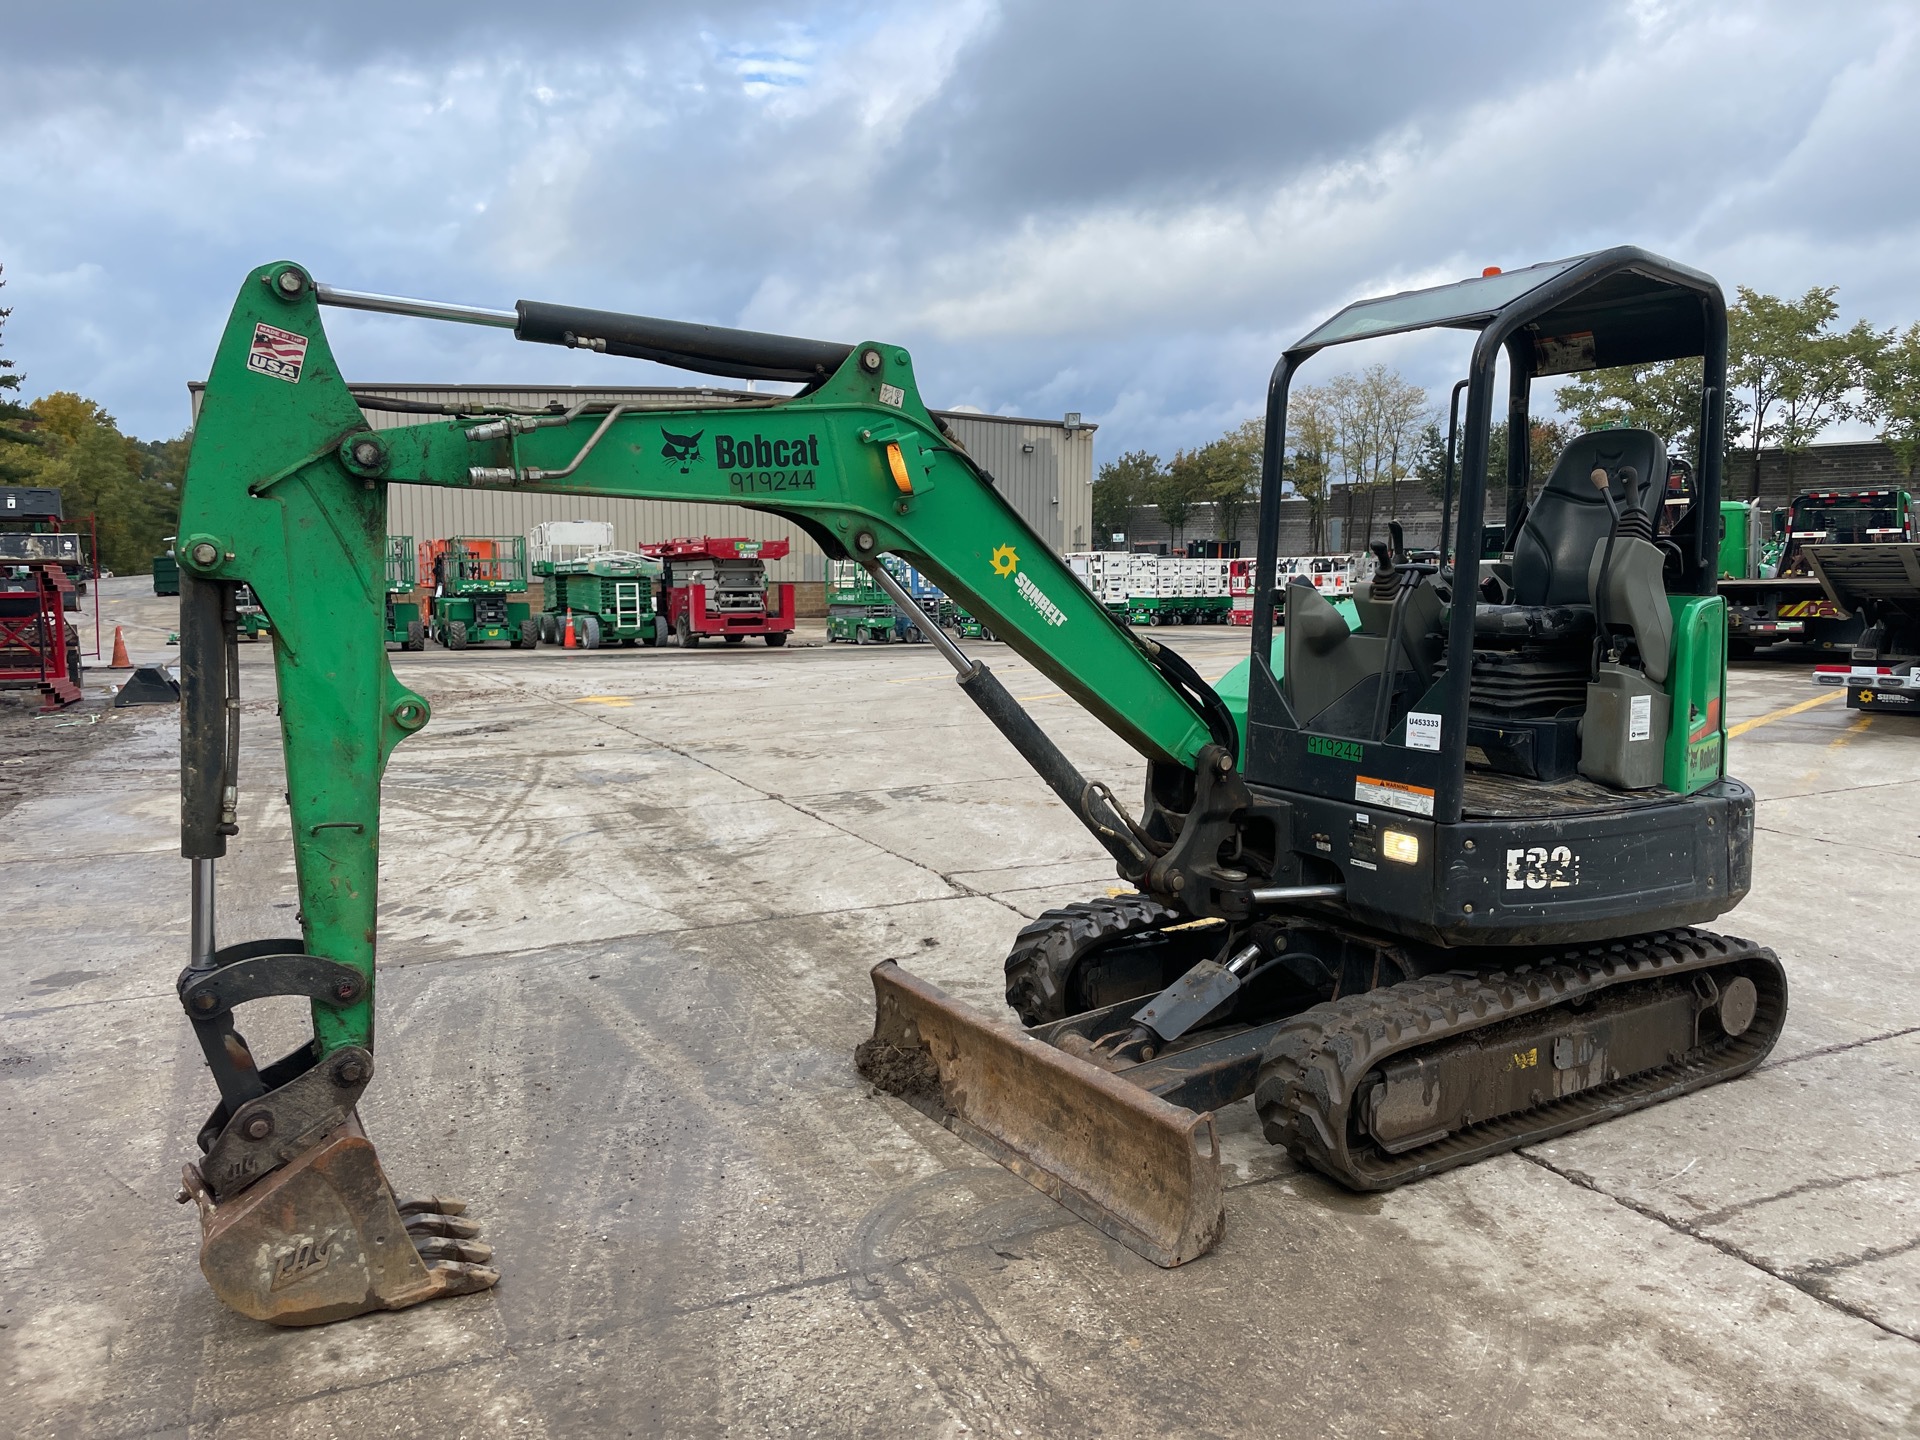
x=1398, y=845
x=897, y=462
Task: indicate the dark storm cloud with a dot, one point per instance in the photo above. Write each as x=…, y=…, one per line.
x=1079, y=101
x=212, y=35
x=1121, y=209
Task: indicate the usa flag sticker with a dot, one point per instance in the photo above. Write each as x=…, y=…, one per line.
x=276, y=352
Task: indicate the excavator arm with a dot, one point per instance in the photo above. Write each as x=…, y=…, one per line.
x=286, y=493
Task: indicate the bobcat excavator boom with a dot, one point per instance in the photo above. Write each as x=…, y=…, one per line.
x=286, y=492
x=1424, y=889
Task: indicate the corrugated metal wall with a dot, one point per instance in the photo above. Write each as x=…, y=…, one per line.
x=1044, y=469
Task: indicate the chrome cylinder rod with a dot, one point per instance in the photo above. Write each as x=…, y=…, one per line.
x=942, y=642
x=420, y=309
x=203, y=941
x=1286, y=894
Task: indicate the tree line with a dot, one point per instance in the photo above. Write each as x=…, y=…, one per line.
x=1352, y=441
x=68, y=443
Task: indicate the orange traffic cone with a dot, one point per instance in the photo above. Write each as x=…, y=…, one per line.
x=120, y=660
x=567, y=641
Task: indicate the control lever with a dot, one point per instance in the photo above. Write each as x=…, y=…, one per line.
x=1630, y=483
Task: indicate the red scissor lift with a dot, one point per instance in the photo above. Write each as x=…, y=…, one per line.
x=38, y=649
x=719, y=587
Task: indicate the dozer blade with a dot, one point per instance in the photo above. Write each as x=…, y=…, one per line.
x=322, y=1239
x=1144, y=1171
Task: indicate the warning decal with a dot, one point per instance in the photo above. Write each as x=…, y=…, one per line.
x=1393, y=794
x=276, y=352
x=1563, y=354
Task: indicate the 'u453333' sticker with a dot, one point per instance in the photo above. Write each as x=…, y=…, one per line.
x=276, y=352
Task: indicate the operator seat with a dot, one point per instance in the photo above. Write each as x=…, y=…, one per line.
x=1556, y=556
x=1554, y=549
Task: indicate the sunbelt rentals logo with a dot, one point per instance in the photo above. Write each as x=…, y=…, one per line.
x=1006, y=562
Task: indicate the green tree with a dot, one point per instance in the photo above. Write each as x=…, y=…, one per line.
x=1796, y=374
x=15, y=419
x=1893, y=396
x=1430, y=459
x=1177, y=491
x=1308, y=465
x=1545, y=440
x=1224, y=473
x=132, y=491
x=1122, y=487
x=1399, y=406
x=1663, y=397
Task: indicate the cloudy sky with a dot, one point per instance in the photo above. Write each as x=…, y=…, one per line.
x=1110, y=206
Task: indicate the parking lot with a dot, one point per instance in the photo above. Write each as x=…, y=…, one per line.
x=630, y=899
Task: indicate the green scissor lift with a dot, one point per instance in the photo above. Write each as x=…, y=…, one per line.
x=609, y=595
x=474, y=577
x=858, y=611
x=404, y=626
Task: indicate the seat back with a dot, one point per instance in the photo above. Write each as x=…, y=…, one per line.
x=1555, y=546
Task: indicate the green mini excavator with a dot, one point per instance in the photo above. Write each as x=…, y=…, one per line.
x=1421, y=881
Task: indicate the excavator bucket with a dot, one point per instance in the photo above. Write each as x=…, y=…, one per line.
x=1144, y=1171
x=322, y=1239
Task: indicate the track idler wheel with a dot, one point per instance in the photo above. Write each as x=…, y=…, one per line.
x=322, y=1238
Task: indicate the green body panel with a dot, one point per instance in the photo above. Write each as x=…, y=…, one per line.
x=1232, y=686
x=401, y=615
x=1697, y=682
x=275, y=486
x=855, y=623
x=581, y=592
x=1149, y=609
x=1739, y=544
x=461, y=608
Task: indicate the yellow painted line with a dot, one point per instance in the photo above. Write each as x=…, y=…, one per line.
x=1852, y=730
x=615, y=700
x=1735, y=731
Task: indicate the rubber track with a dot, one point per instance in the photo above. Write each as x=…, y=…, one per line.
x=1046, y=950
x=1317, y=1063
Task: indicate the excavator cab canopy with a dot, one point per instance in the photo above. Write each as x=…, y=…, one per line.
x=1395, y=702
x=1616, y=307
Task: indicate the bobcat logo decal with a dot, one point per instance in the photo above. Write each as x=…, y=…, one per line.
x=684, y=448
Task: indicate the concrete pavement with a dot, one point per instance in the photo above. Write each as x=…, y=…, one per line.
x=630, y=900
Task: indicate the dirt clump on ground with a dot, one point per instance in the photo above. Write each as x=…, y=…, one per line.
x=907, y=1073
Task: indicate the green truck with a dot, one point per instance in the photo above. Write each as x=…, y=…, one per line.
x=475, y=578
x=1772, y=594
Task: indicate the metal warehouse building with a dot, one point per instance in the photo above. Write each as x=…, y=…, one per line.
x=1044, y=467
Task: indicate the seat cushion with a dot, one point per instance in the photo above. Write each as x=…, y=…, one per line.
x=1554, y=549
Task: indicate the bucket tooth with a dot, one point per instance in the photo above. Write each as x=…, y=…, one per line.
x=321, y=1239
x=1142, y=1170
